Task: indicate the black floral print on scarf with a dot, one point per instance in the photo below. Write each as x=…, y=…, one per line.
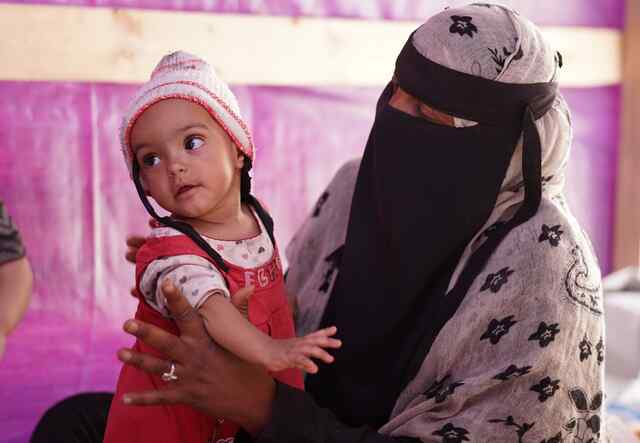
x=583, y=286
x=546, y=388
x=545, y=334
x=558, y=59
x=600, y=350
x=521, y=430
x=462, y=24
x=452, y=434
x=552, y=234
x=496, y=281
x=585, y=347
x=321, y=201
x=333, y=261
x=512, y=372
x=441, y=389
x=555, y=439
x=497, y=329
x=586, y=426
x=499, y=58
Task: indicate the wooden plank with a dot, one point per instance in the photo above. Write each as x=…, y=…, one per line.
x=627, y=227
x=122, y=45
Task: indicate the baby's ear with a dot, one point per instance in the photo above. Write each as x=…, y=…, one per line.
x=240, y=159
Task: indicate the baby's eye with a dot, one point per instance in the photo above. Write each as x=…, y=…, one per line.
x=150, y=160
x=193, y=143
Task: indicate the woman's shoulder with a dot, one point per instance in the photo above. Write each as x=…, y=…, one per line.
x=550, y=260
x=552, y=239
x=345, y=177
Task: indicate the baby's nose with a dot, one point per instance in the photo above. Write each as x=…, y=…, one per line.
x=177, y=167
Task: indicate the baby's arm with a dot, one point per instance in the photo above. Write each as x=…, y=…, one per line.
x=205, y=289
x=226, y=325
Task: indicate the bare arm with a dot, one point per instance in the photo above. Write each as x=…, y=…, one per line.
x=15, y=292
x=229, y=328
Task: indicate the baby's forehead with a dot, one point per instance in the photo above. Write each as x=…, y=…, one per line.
x=173, y=112
x=171, y=118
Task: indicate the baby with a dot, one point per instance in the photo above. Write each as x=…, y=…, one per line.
x=187, y=147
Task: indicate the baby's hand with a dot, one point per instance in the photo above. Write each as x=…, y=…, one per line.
x=297, y=352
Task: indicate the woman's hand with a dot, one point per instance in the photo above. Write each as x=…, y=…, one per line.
x=210, y=379
x=134, y=242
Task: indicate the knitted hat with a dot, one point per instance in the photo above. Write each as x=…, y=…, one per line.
x=185, y=76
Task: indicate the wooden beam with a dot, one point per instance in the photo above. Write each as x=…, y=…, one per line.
x=122, y=45
x=627, y=227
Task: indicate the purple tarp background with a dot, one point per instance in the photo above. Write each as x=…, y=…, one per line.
x=64, y=182
x=597, y=13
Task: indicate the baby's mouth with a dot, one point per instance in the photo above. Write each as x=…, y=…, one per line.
x=183, y=189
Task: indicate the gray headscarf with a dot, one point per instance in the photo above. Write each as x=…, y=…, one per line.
x=508, y=49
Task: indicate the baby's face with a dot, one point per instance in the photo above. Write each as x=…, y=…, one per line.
x=188, y=164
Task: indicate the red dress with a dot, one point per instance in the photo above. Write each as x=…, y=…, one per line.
x=268, y=310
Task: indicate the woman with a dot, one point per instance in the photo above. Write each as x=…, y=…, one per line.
x=467, y=297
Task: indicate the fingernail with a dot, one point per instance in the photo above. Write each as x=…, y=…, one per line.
x=125, y=355
x=131, y=326
x=167, y=283
x=126, y=399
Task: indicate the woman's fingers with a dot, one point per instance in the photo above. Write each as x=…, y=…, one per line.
x=186, y=317
x=241, y=297
x=162, y=397
x=130, y=256
x=165, y=342
x=146, y=362
x=135, y=241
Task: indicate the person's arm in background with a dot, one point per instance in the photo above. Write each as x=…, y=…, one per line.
x=15, y=278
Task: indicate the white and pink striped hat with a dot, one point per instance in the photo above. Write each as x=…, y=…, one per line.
x=185, y=76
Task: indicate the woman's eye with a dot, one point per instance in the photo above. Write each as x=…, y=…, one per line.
x=150, y=160
x=193, y=143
